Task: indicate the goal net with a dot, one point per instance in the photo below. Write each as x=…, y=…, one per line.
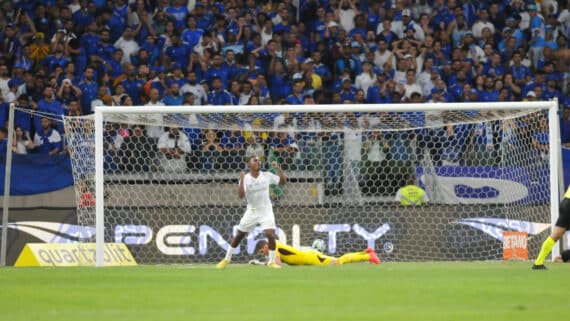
x=167, y=179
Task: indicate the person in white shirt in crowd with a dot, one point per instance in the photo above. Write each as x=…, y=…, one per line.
x=352, y=157
x=366, y=78
x=345, y=14
x=22, y=141
x=127, y=44
x=383, y=55
x=154, y=131
x=173, y=146
x=254, y=148
x=411, y=84
x=194, y=87
x=482, y=23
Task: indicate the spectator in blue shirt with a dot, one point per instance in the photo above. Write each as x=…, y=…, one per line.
x=113, y=23
x=359, y=27
x=347, y=90
x=22, y=118
x=25, y=61
x=376, y=92
x=235, y=92
x=105, y=49
x=296, y=97
x=538, y=81
x=204, y=19
x=133, y=85
x=179, y=12
x=174, y=98
x=490, y=93
x=178, y=53
x=3, y=140
x=192, y=34
x=112, y=65
x=218, y=70
x=348, y=61
x=177, y=76
x=67, y=92
x=154, y=48
x=4, y=114
x=521, y=73
x=11, y=43
x=279, y=85
x=551, y=89
x=320, y=68
x=56, y=60
x=89, y=90
x=494, y=68
x=41, y=19
x=219, y=96
x=284, y=25
x=82, y=18
x=47, y=139
x=48, y=105
x=536, y=21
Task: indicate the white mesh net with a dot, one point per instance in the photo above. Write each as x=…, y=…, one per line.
x=171, y=180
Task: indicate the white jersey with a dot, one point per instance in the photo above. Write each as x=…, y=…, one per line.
x=257, y=189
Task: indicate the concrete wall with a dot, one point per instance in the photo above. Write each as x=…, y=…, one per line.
x=195, y=194
x=61, y=198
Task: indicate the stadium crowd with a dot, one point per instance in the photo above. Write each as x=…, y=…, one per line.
x=63, y=57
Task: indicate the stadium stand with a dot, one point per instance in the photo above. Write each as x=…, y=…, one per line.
x=64, y=57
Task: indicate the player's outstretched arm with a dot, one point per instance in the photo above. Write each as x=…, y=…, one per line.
x=241, y=189
x=282, y=177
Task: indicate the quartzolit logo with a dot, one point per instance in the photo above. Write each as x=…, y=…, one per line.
x=496, y=226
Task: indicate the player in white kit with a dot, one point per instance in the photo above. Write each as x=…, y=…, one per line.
x=254, y=186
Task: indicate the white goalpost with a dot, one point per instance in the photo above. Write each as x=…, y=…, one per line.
x=487, y=168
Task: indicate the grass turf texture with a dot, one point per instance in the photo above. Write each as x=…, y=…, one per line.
x=391, y=291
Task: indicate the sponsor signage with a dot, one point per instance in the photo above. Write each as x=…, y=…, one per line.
x=496, y=227
x=515, y=246
x=398, y=233
x=73, y=254
x=485, y=185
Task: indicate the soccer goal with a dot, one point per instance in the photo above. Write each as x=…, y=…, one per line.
x=163, y=180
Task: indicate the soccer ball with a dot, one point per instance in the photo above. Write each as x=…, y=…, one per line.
x=319, y=245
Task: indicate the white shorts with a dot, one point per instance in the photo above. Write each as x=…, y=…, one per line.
x=257, y=216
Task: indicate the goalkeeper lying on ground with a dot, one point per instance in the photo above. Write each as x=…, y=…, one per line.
x=292, y=256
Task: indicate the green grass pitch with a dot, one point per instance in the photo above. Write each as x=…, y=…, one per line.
x=390, y=291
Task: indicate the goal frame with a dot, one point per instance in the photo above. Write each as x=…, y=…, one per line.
x=555, y=163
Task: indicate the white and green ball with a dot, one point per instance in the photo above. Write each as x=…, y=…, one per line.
x=319, y=245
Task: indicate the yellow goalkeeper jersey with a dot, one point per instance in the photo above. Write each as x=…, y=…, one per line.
x=293, y=256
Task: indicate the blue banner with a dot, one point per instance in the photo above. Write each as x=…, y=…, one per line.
x=37, y=173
